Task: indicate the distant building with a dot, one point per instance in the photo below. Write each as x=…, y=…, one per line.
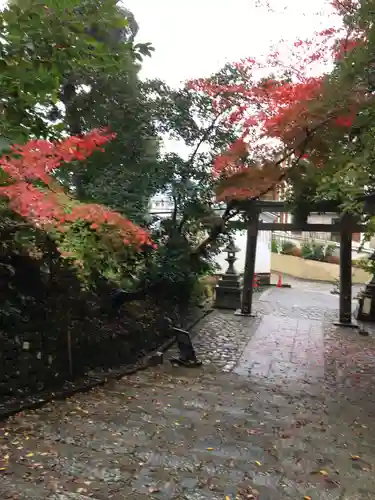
x=162, y=205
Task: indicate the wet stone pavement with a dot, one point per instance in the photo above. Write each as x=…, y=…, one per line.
x=283, y=408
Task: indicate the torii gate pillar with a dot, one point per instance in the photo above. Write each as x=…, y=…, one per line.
x=345, y=312
x=251, y=246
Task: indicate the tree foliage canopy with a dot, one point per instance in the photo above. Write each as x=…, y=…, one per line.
x=315, y=106
x=305, y=118
x=44, y=46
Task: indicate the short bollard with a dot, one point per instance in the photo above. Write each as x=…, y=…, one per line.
x=187, y=357
x=336, y=288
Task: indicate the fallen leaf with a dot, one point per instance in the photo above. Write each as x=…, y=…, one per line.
x=257, y=463
x=285, y=435
x=153, y=490
x=210, y=449
x=248, y=493
x=323, y=473
x=30, y=454
x=306, y=497
x=332, y=482
x=355, y=457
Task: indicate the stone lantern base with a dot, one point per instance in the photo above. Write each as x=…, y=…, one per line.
x=366, y=306
x=366, y=300
x=228, y=292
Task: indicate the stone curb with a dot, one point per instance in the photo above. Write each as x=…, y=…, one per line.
x=83, y=385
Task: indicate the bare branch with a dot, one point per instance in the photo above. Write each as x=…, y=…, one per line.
x=228, y=214
x=300, y=147
x=217, y=230
x=204, y=137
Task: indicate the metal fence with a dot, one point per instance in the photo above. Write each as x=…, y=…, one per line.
x=299, y=239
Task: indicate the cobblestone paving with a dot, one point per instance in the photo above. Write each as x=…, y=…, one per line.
x=222, y=337
x=287, y=332
x=285, y=341
x=177, y=434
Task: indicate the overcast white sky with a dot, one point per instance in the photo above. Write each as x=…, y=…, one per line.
x=194, y=38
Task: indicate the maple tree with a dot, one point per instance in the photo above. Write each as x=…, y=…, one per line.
x=32, y=191
x=299, y=102
x=85, y=65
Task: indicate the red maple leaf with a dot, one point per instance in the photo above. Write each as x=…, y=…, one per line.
x=278, y=116
x=46, y=204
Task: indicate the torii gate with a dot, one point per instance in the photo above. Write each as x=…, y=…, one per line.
x=346, y=226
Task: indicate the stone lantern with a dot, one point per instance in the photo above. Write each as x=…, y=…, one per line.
x=231, y=251
x=228, y=290
x=366, y=307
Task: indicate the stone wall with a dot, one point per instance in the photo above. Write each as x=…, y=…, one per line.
x=31, y=361
x=52, y=331
x=312, y=270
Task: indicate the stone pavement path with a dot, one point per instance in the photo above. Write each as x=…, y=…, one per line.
x=284, y=342
x=285, y=349
x=304, y=432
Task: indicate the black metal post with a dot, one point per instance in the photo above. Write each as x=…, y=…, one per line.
x=345, y=313
x=251, y=246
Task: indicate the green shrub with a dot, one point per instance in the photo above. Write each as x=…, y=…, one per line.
x=312, y=250
x=330, y=249
x=205, y=290
x=366, y=264
x=274, y=246
x=287, y=247
x=363, y=263
x=306, y=250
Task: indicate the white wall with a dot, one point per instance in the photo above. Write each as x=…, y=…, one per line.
x=321, y=218
x=263, y=253
x=162, y=205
